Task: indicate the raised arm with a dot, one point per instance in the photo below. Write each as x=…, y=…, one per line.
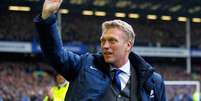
x=64, y=62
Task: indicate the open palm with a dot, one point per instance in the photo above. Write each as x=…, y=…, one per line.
x=50, y=7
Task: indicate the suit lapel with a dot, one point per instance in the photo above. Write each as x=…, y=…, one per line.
x=134, y=84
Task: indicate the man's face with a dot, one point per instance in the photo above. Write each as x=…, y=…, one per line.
x=59, y=79
x=115, y=46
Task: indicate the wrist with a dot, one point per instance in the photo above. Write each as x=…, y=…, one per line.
x=45, y=15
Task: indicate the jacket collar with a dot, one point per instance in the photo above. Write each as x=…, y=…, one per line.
x=101, y=64
x=142, y=68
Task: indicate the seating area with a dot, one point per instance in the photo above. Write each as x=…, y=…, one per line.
x=176, y=72
x=20, y=79
x=19, y=26
x=16, y=26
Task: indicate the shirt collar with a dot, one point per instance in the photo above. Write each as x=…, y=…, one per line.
x=63, y=84
x=125, y=68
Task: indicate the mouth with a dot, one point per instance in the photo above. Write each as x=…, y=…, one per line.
x=107, y=53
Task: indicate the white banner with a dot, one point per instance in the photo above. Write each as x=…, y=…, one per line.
x=18, y=47
x=196, y=53
x=161, y=52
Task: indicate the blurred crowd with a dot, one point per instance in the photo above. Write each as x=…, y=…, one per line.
x=21, y=81
x=180, y=92
x=24, y=81
x=19, y=26
x=176, y=72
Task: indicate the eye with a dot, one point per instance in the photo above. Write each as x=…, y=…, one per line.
x=102, y=41
x=112, y=40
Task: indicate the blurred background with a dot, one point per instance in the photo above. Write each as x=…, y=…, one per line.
x=168, y=36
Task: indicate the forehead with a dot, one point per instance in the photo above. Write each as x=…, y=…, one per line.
x=59, y=76
x=113, y=32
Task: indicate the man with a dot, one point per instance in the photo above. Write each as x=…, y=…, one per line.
x=116, y=74
x=57, y=92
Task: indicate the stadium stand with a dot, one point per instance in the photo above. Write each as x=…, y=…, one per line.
x=149, y=33
x=19, y=80
x=28, y=80
x=17, y=26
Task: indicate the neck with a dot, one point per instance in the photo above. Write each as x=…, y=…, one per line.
x=120, y=63
x=63, y=83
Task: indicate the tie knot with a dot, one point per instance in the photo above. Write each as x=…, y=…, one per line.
x=117, y=72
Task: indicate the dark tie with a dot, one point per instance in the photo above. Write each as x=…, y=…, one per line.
x=116, y=80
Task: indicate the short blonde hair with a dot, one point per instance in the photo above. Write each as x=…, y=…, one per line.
x=124, y=26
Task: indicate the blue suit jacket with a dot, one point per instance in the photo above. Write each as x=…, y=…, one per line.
x=89, y=74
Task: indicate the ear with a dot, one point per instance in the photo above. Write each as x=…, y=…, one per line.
x=129, y=45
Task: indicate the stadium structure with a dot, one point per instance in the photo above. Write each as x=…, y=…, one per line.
x=167, y=35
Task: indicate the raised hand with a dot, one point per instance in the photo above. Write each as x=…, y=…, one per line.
x=50, y=7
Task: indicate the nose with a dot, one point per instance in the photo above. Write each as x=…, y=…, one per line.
x=105, y=45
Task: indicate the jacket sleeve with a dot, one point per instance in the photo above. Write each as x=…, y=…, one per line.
x=160, y=87
x=64, y=62
x=162, y=96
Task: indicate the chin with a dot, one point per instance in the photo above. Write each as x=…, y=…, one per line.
x=108, y=61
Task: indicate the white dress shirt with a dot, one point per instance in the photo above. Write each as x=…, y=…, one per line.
x=124, y=75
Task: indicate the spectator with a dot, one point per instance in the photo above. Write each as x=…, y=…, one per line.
x=57, y=92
